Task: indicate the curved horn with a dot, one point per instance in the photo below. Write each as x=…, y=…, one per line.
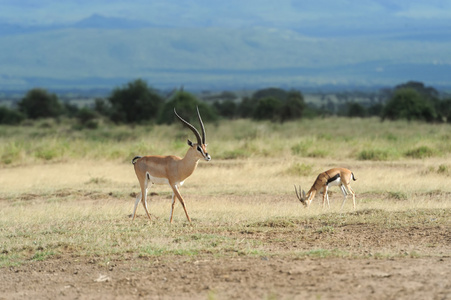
x=201, y=126
x=300, y=194
x=193, y=129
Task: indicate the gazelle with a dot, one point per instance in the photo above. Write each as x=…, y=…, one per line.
x=336, y=176
x=172, y=170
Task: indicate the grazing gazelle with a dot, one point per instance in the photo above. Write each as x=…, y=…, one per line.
x=172, y=170
x=336, y=176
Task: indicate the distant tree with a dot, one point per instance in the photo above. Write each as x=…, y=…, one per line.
x=134, y=103
x=226, y=108
x=375, y=110
x=271, y=92
x=10, y=116
x=70, y=110
x=246, y=107
x=444, y=110
x=267, y=109
x=293, y=107
x=407, y=103
x=226, y=95
x=185, y=103
x=429, y=93
x=38, y=103
x=87, y=117
x=102, y=107
x=273, y=104
x=356, y=110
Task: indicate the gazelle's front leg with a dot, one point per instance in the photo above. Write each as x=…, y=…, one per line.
x=177, y=193
x=326, y=196
x=172, y=206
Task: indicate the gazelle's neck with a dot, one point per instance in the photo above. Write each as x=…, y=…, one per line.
x=188, y=163
x=311, y=194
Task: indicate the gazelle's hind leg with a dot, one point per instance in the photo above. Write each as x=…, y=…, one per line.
x=349, y=189
x=353, y=195
x=145, y=202
x=136, y=204
x=327, y=197
x=345, y=194
x=143, y=198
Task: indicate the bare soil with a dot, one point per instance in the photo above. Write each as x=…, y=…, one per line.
x=361, y=275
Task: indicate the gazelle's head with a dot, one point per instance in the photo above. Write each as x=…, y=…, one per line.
x=301, y=195
x=200, y=147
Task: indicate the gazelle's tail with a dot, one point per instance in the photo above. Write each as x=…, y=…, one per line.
x=353, y=177
x=138, y=157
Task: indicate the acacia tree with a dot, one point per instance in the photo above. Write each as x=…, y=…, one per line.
x=185, y=103
x=267, y=109
x=407, y=103
x=293, y=107
x=38, y=103
x=275, y=104
x=134, y=103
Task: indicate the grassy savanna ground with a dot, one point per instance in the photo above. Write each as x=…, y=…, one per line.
x=66, y=196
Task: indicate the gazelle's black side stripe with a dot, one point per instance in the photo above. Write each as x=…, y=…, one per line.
x=333, y=178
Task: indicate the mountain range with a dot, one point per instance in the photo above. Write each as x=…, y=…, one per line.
x=107, y=51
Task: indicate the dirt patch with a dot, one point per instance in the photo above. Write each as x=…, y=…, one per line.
x=230, y=278
x=418, y=267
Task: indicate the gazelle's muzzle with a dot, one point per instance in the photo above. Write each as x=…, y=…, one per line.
x=207, y=157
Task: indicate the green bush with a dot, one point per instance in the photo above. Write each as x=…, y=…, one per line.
x=420, y=152
x=298, y=169
x=10, y=117
x=373, y=154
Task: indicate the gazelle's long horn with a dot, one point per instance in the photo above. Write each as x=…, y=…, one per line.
x=193, y=129
x=298, y=194
x=201, y=126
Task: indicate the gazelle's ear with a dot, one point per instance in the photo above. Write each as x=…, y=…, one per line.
x=190, y=143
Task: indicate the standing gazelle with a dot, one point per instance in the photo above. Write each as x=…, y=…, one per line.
x=172, y=170
x=336, y=176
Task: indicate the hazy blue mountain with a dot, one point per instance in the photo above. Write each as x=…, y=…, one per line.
x=216, y=44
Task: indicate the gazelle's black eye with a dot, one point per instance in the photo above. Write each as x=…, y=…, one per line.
x=199, y=149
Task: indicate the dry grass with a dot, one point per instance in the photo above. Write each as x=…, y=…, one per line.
x=80, y=206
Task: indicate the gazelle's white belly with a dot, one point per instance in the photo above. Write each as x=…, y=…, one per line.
x=335, y=182
x=160, y=180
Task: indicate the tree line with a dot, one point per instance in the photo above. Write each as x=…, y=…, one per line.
x=138, y=103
